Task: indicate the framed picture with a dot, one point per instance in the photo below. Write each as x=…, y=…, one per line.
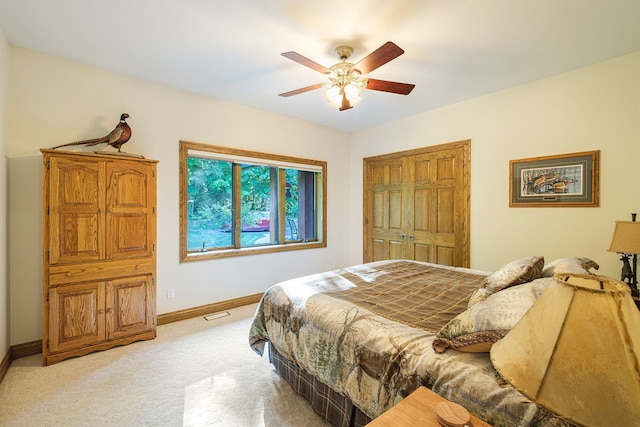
x=562, y=180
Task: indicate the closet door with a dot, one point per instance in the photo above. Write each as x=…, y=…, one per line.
x=416, y=205
x=436, y=222
x=386, y=198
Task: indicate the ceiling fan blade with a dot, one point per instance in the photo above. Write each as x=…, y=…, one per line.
x=345, y=103
x=387, y=86
x=302, y=90
x=306, y=62
x=378, y=57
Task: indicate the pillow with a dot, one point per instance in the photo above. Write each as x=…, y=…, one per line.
x=577, y=265
x=476, y=329
x=513, y=273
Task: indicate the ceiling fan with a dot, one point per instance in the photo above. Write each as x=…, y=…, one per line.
x=346, y=79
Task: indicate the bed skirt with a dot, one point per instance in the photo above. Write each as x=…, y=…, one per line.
x=330, y=405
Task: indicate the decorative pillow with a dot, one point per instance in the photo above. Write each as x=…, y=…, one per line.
x=513, y=273
x=577, y=265
x=476, y=329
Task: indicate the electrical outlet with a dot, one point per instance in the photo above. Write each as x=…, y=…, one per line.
x=170, y=293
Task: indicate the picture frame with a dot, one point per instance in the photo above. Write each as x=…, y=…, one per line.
x=564, y=180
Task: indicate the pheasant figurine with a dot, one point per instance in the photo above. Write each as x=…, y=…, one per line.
x=116, y=138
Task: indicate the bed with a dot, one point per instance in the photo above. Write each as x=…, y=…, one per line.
x=356, y=341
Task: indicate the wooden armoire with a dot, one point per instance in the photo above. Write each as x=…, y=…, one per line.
x=99, y=253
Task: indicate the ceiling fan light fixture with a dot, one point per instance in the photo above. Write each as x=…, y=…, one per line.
x=345, y=81
x=352, y=92
x=333, y=94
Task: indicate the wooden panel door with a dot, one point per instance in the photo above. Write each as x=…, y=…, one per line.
x=77, y=316
x=130, y=218
x=435, y=227
x=416, y=205
x=130, y=306
x=386, y=197
x=76, y=201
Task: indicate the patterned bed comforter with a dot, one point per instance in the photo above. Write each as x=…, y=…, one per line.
x=366, y=332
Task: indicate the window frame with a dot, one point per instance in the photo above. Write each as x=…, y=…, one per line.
x=273, y=160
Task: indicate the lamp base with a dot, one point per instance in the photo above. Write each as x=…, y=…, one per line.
x=627, y=275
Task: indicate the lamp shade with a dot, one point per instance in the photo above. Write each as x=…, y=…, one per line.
x=576, y=352
x=626, y=237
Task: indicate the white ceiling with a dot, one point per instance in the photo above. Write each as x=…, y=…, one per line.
x=230, y=49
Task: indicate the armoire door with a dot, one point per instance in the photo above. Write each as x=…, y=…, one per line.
x=76, y=201
x=130, y=218
x=77, y=316
x=416, y=205
x=130, y=306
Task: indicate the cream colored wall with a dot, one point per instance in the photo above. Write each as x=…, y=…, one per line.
x=52, y=101
x=4, y=244
x=592, y=108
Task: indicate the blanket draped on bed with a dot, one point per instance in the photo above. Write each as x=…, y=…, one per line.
x=401, y=293
x=366, y=332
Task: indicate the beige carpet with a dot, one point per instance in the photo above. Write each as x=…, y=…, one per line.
x=195, y=373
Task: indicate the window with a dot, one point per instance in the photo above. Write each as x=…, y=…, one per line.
x=236, y=202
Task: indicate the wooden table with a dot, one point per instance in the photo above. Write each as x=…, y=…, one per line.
x=417, y=410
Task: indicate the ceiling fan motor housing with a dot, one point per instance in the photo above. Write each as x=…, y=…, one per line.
x=344, y=52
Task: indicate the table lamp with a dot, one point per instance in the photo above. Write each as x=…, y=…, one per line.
x=626, y=241
x=576, y=352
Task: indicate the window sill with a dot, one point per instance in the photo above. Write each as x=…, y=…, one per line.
x=227, y=253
